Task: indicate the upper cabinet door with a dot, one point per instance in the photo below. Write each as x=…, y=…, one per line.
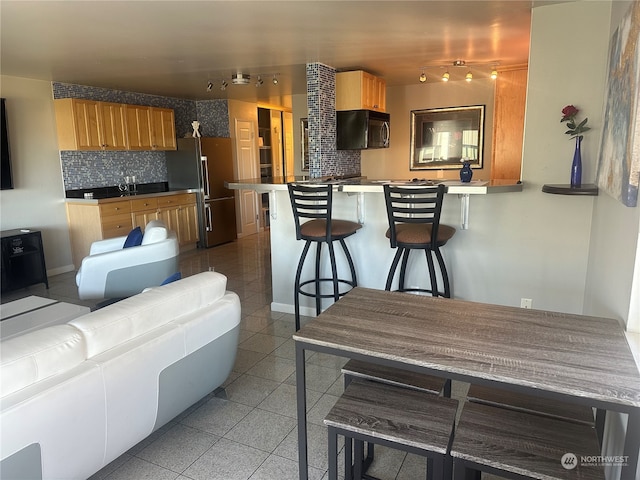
x=163, y=129
x=359, y=90
x=78, y=124
x=138, y=127
x=114, y=126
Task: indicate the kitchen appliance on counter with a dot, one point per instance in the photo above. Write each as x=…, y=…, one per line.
x=362, y=129
x=204, y=164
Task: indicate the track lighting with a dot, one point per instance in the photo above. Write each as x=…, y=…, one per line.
x=454, y=70
x=209, y=86
x=275, y=79
x=223, y=85
x=259, y=81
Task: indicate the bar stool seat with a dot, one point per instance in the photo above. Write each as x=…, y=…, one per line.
x=414, y=224
x=396, y=417
x=313, y=203
x=515, y=444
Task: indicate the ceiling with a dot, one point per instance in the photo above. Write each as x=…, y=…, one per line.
x=174, y=48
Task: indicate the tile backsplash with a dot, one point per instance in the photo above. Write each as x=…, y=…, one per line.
x=99, y=169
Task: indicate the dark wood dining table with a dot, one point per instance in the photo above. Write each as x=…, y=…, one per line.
x=573, y=358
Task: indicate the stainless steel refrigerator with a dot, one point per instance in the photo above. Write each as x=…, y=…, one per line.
x=204, y=164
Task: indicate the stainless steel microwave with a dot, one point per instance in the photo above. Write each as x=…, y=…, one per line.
x=362, y=129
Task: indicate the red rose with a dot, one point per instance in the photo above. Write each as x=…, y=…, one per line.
x=569, y=111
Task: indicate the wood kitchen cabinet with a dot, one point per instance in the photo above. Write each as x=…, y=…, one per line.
x=90, y=125
x=163, y=129
x=143, y=210
x=138, y=127
x=150, y=128
x=179, y=213
x=89, y=222
x=359, y=90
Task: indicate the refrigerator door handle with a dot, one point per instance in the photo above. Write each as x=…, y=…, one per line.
x=209, y=226
x=205, y=176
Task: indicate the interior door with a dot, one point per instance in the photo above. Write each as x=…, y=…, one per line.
x=287, y=127
x=276, y=143
x=247, y=168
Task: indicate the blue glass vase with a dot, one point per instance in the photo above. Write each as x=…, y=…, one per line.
x=576, y=165
x=466, y=173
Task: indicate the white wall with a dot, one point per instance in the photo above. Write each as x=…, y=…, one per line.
x=393, y=163
x=614, y=246
x=527, y=244
x=37, y=200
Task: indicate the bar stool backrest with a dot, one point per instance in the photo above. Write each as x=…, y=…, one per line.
x=312, y=202
x=408, y=204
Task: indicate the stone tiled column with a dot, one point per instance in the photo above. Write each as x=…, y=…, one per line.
x=324, y=159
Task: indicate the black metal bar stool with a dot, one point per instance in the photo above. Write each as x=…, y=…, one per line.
x=414, y=224
x=314, y=203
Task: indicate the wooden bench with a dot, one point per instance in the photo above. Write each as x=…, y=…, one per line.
x=396, y=376
x=515, y=444
x=530, y=404
x=396, y=417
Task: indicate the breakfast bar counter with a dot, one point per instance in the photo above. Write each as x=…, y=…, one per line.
x=360, y=200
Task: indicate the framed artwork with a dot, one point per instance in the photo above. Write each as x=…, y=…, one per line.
x=618, y=171
x=443, y=138
x=304, y=127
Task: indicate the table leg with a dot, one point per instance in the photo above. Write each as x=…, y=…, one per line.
x=301, y=404
x=631, y=446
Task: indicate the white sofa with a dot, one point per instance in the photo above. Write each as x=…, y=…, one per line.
x=111, y=271
x=76, y=396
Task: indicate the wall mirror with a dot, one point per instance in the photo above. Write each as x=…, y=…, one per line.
x=444, y=138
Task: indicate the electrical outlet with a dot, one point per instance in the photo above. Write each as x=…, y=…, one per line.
x=526, y=302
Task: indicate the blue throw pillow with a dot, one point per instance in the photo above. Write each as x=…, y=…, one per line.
x=134, y=238
x=172, y=278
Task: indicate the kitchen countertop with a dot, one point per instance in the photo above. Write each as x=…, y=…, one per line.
x=364, y=185
x=96, y=201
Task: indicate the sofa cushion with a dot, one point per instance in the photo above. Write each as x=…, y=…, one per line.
x=154, y=232
x=115, y=324
x=40, y=354
x=134, y=238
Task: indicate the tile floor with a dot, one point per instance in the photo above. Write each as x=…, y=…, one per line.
x=249, y=431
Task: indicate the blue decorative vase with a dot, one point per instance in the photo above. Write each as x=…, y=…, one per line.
x=466, y=173
x=576, y=166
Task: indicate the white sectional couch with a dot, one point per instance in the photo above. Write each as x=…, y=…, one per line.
x=74, y=397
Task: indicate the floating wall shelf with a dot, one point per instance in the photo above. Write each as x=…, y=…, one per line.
x=584, y=189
